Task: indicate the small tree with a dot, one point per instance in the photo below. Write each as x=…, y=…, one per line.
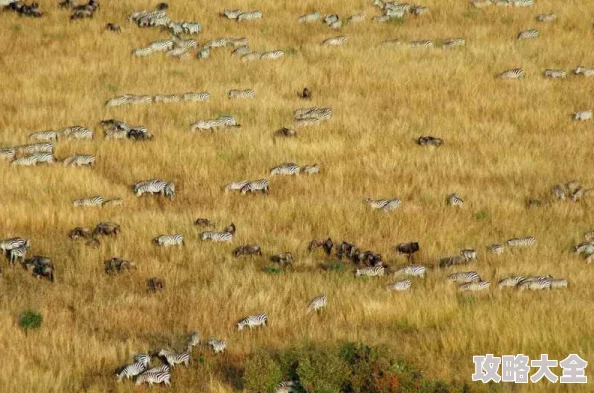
x=29, y=320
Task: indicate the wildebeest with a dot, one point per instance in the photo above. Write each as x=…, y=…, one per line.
x=249, y=249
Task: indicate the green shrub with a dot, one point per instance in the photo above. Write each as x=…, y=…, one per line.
x=262, y=373
x=30, y=320
x=322, y=371
x=370, y=369
x=272, y=270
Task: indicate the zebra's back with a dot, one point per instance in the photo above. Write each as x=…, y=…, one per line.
x=399, y=286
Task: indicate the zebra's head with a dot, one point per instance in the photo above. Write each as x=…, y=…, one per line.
x=170, y=191
x=240, y=325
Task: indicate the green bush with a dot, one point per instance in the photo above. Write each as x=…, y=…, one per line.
x=262, y=373
x=321, y=370
x=30, y=320
x=370, y=369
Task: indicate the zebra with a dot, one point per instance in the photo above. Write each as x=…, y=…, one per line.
x=474, y=286
x=179, y=53
x=510, y=281
x=555, y=74
x=515, y=73
x=412, y=271
x=184, y=27
x=203, y=53
x=560, y=283
x=528, y=34
x=76, y=132
x=184, y=44
x=154, y=377
x=169, y=240
x=452, y=42
x=582, y=115
x=251, y=56
x=313, y=113
x=253, y=321
x=589, y=236
x=217, y=345
x=584, y=248
x=335, y=41
x=132, y=370
x=455, y=200
x=374, y=271
x=86, y=202
x=116, y=133
x=218, y=42
x=167, y=98
x=138, y=52
x=272, y=55
x=421, y=44
x=317, y=303
x=47, y=158
x=306, y=122
x=129, y=99
x=155, y=186
x=383, y=204
x=429, y=141
x=468, y=254
x=45, y=135
x=237, y=42
x=573, y=186
x=18, y=253
x=25, y=161
x=35, y=148
x=256, y=185
x=79, y=160
x=496, y=249
x=312, y=17
x=381, y=19
x=535, y=284
x=216, y=236
x=252, y=15
x=527, y=241
x=584, y=71
x=287, y=168
x=464, y=277
x=404, y=7
x=452, y=261
x=578, y=194
x=311, y=169
x=161, y=46
x=503, y=3
x=399, y=286
x=7, y=153
x=330, y=19
x=236, y=186
x=286, y=387
x=546, y=17
x=158, y=369
x=356, y=18
x=523, y=3
x=196, y=97
x=248, y=93
x=173, y=358
x=231, y=14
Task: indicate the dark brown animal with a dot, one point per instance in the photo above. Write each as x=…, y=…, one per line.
x=283, y=259
x=204, y=222
x=305, y=95
x=162, y=6
x=155, y=284
x=286, y=133
x=118, y=265
x=429, y=141
x=250, y=249
x=408, y=248
x=113, y=27
x=327, y=245
x=80, y=232
x=106, y=229
x=230, y=229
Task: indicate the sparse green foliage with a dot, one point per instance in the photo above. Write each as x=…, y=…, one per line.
x=321, y=370
x=262, y=373
x=30, y=320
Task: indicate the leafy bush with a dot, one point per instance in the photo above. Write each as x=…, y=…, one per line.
x=30, y=320
x=322, y=371
x=272, y=270
x=262, y=373
x=370, y=369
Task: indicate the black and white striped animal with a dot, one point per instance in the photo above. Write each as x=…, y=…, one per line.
x=399, y=286
x=7, y=153
x=464, y=277
x=272, y=55
x=582, y=115
x=35, y=148
x=236, y=186
x=80, y=160
x=18, y=253
x=217, y=346
x=318, y=303
x=528, y=34
x=45, y=135
x=76, y=132
x=287, y=168
x=46, y=158
x=412, y=271
x=527, y=241
x=546, y=17
x=134, y=369
x=217, y=236
x=155, y=186
x=312, y=17
x=421, y=44
x=261, y=185
x=515, y=73
x=585, y=71
x=554, y=74
x=535, y=284
x=373, y=271
x=25, y=161
x=455, y=200
x=253, y=321
x=251, y=15
x=169, y=240
x=88, y=202
x=7, y=245
x=173, y=358
x=453, y=42
x=383, y=204
x=244, y=94
x=151, y=378
x=335, y=41
x=196, y=97
x=474, y=286
x=496, y=249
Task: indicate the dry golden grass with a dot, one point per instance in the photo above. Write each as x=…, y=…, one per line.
x=504, y=142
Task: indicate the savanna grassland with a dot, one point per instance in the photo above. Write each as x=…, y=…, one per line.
x=505, y=142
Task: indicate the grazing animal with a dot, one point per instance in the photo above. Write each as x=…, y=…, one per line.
x=496, y=249
x=132, y=370
x=453, y=42
x=155, y=284
x=250, y=249
x=80, y=232
x=45, y=135
x=455, y=200
x=555, y=74
x=546, y=17
x=204, y=222
x=335, y=41
x=429, y=141
x=412, y=271
x=474, y=286
x=408, y=248
x=87, y=202
x=155, y=186
x=464, y=277
x=18, y=253
x=80, y=160
x=118, y=265
x=106, y=229
x=169, y=240
x=399, y=286
x=312, y=17
x=528, y=34
x=12, y=243
x=579, y=70
x=173, y=358
x=516, y=73
x=318, y=303
x=528, y=241
x=283, y=259
x=535, y=284
x=253, y=321
x=217, y=345
x=326, y=245
x=285, y=132
x=151, y=378
x=582, y=115
x=306, y=94
x=261, y=185
x=216, y=236
x=373, y=271
x=113, y=27
x=287, y=168
x=383, y=204
x=245, y=94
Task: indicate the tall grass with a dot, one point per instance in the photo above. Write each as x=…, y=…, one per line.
x=504, y=142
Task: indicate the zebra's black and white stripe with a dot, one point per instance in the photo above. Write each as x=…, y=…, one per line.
x=312, y=17
x=76, y=132
x=169, y=240
x=421, y=44
x=151, y=378
x=251, y=15
x=7, y=153
x=527, y=241
x=510, y=281
x=216, y=236
x=413, y=271
x=236, y=186
x=132, y=370
x=468, y=254
x=12, y=243
x=217, y=345
x=173, y=358
x=18, y=253
x=523, y=3
x=155, y=186
x=35, y=148
x=546, y=17
x=384, y=204
x=261, y=185
x=474, y=286
x=528, y=34
x=464, y=277
x=399, y=286
x=45, y=135
x=496, y=249
x=87, y=202
x=455, y=200
x=272, y=55
x=373, y=271
x=585, y=71
x=253, y=321
x=535, y=284
x=453, y=42
x=25, y=161
x=251, y=56
x=245, y=94
x=79, y=160
x=317, y=303
x=46, y=158
x=288, y=168
x=335, y=41
x=515, y=73
x=550, y=73
x=196, y=97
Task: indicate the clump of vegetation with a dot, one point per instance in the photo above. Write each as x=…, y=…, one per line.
x=262, y=373
x=30, y=320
